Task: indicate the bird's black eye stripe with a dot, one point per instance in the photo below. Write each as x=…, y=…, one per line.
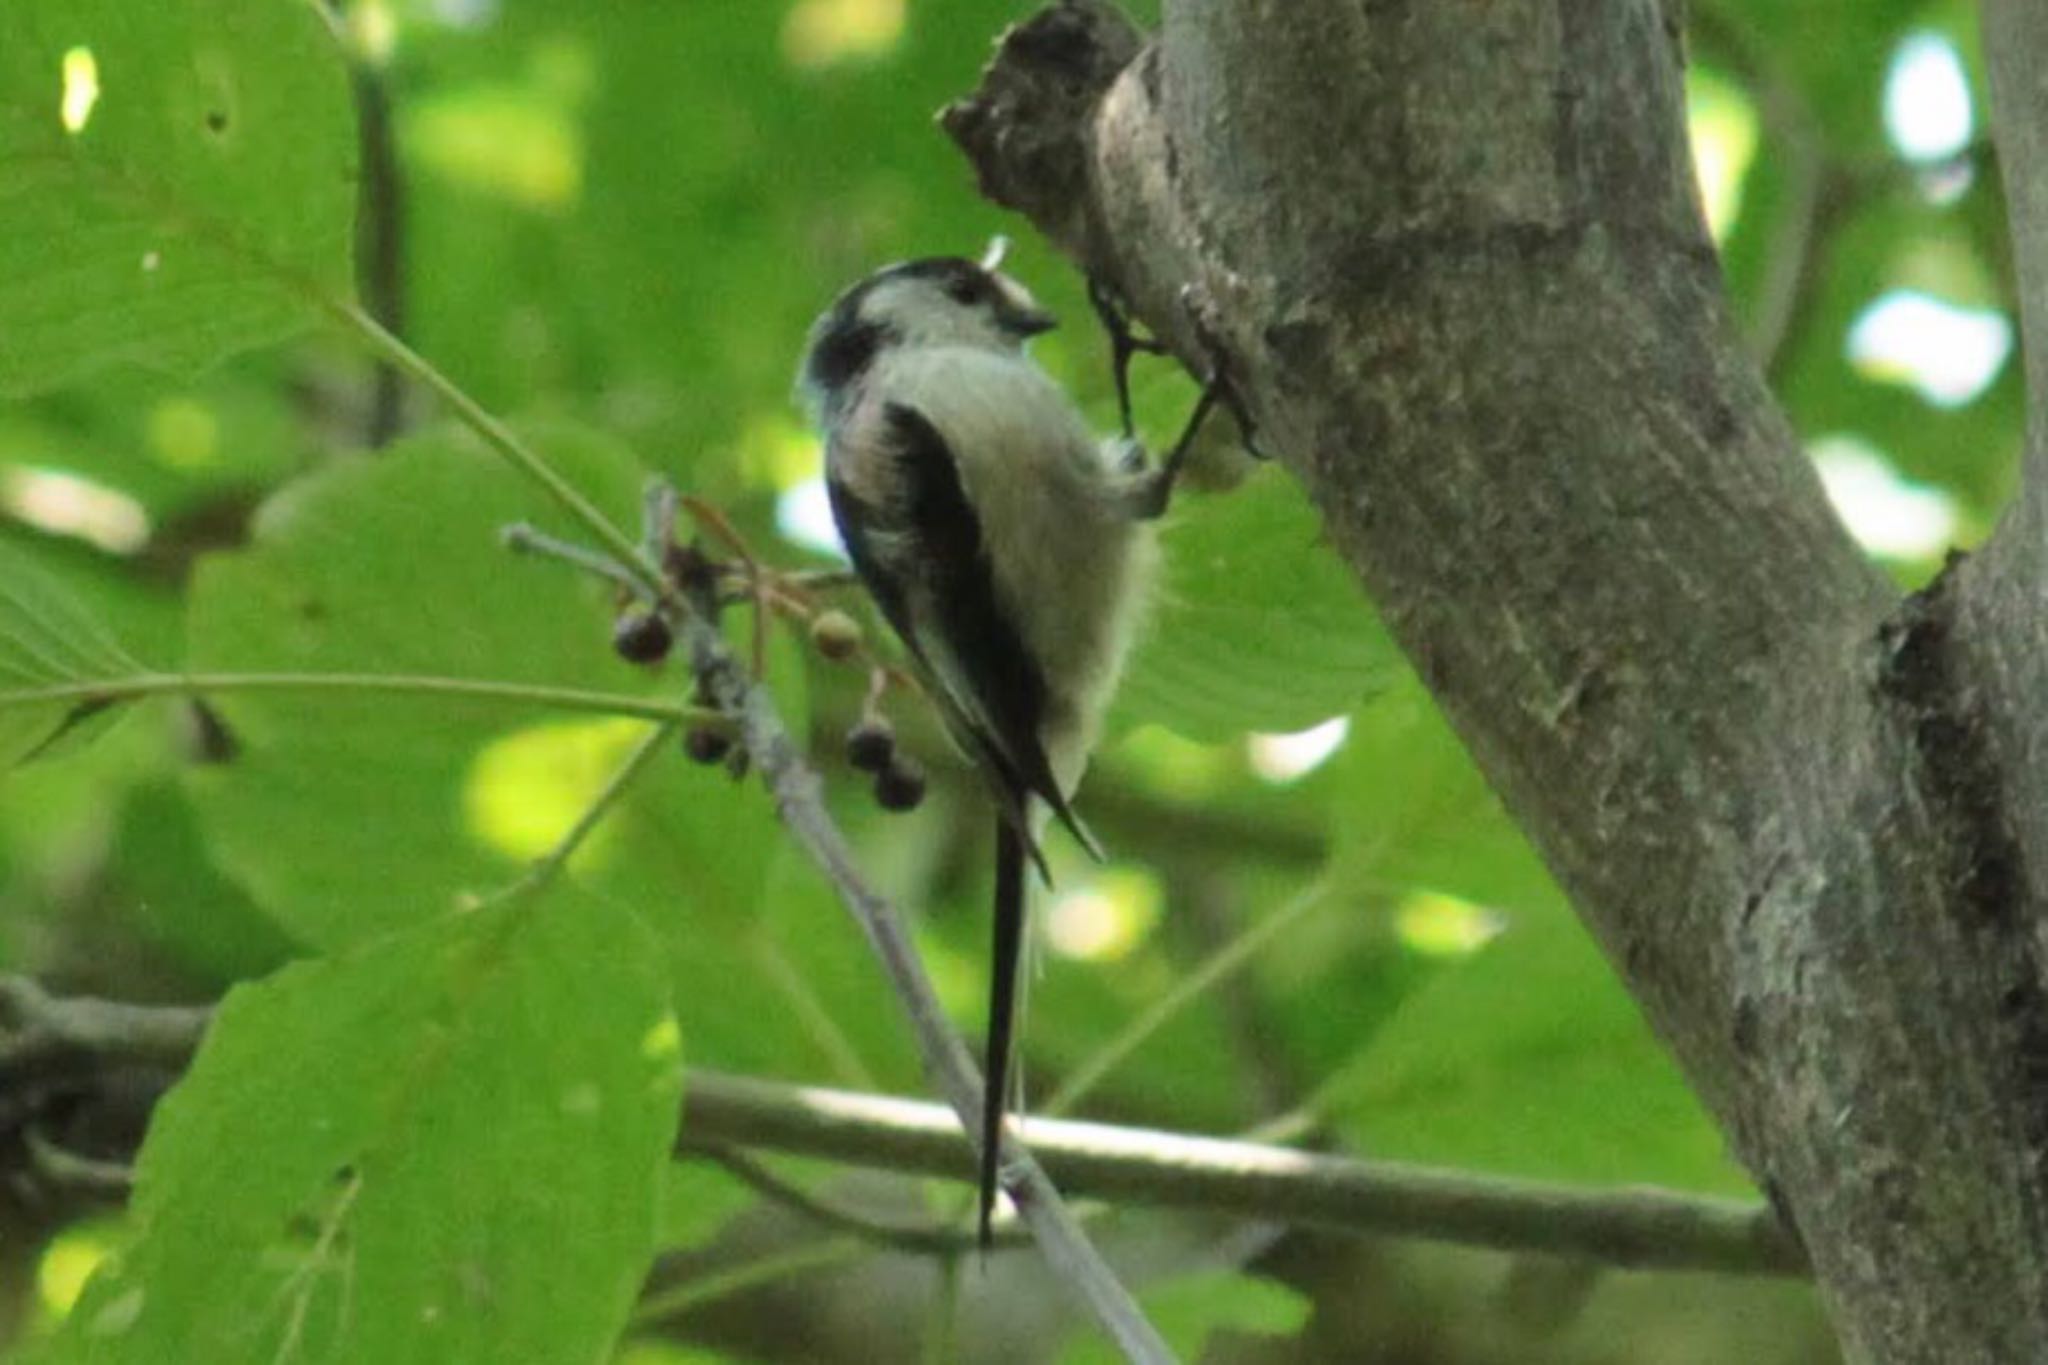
x=843, y=347
x=970, y=286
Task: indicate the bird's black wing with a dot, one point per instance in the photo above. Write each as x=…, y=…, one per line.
x=919, y=549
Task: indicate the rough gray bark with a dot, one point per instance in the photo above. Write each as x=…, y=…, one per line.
x=1452, y=255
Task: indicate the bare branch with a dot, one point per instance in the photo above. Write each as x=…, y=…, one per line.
x=42, y=1033
x=1637, y=1228
x=1640, y=1229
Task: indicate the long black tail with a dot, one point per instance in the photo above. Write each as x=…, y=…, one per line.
x=1002, y=1008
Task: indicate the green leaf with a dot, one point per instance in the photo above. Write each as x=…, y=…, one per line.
x=349, y=816
x=1258, y=624
x=178, y=901
x=1437, y=826
x=445, y=1148
x=670, y=1353
x=1526, y=1057
x=183, y=211
x=1189, y=1311
x=51, y=651
x=697, y=1199
x=1530, y=1059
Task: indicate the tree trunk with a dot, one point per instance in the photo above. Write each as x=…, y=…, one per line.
x=1452, y=255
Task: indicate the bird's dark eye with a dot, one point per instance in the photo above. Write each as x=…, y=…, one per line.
x=969, y=288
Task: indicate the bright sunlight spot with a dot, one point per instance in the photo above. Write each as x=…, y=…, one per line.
x=1927, y=99
x=1286, y=758
x=820, y=32
x=1949, y=354
x=664, y=1041
x=1436, y=925
x=373, y=28
x=804, y=516
x=1105, y=920
x=527, y=789
x=957, y=978
x=1888, y=515
x=184, y=434
x=81, y=89
x=67, y=505
x=500, y=141
x=778, y=449
x=67, y=1263
x=1169, y=762
x=1722, y=122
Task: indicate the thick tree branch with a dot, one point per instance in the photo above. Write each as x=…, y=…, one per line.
x=2003, y=627
x=1639, y=1229
x=1453, y=257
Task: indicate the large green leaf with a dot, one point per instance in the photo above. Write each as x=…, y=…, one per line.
x=178, y=900
x=1258, y=624
x=1438, y=826
x=351, y=815
x=348, y=816
x=1527, y=1057
x=447, y=1147
x=183, y=213
x=1532, y=1060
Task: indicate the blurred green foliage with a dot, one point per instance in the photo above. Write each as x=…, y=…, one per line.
x=614, y=223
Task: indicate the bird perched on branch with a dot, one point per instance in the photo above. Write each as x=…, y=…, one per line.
x=1003, y=542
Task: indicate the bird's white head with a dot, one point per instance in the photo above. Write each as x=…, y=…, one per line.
x=936, y=301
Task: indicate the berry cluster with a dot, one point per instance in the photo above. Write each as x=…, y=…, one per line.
x=644, y=635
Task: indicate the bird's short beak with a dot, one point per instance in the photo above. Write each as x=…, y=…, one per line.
x=1030, y=322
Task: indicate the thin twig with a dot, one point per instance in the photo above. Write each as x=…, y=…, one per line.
x=820, y=580
x=709, y=518
x=1231, y=957
x=601, y=805
x=673, y=1302
x=65, y=1169
x=500, y=437
x=380, y=235
x=522, y=539
x=833, y=1045
x=799, y=797
x=396, y=684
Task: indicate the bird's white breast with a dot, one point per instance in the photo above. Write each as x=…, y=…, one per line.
x=1070, y=566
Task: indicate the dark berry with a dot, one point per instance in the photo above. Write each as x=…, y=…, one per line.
x=642, y=637
x=900, y=786
x=871, y=744
x=707, y=744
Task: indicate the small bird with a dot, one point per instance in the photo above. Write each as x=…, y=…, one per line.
x=1005, y=544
